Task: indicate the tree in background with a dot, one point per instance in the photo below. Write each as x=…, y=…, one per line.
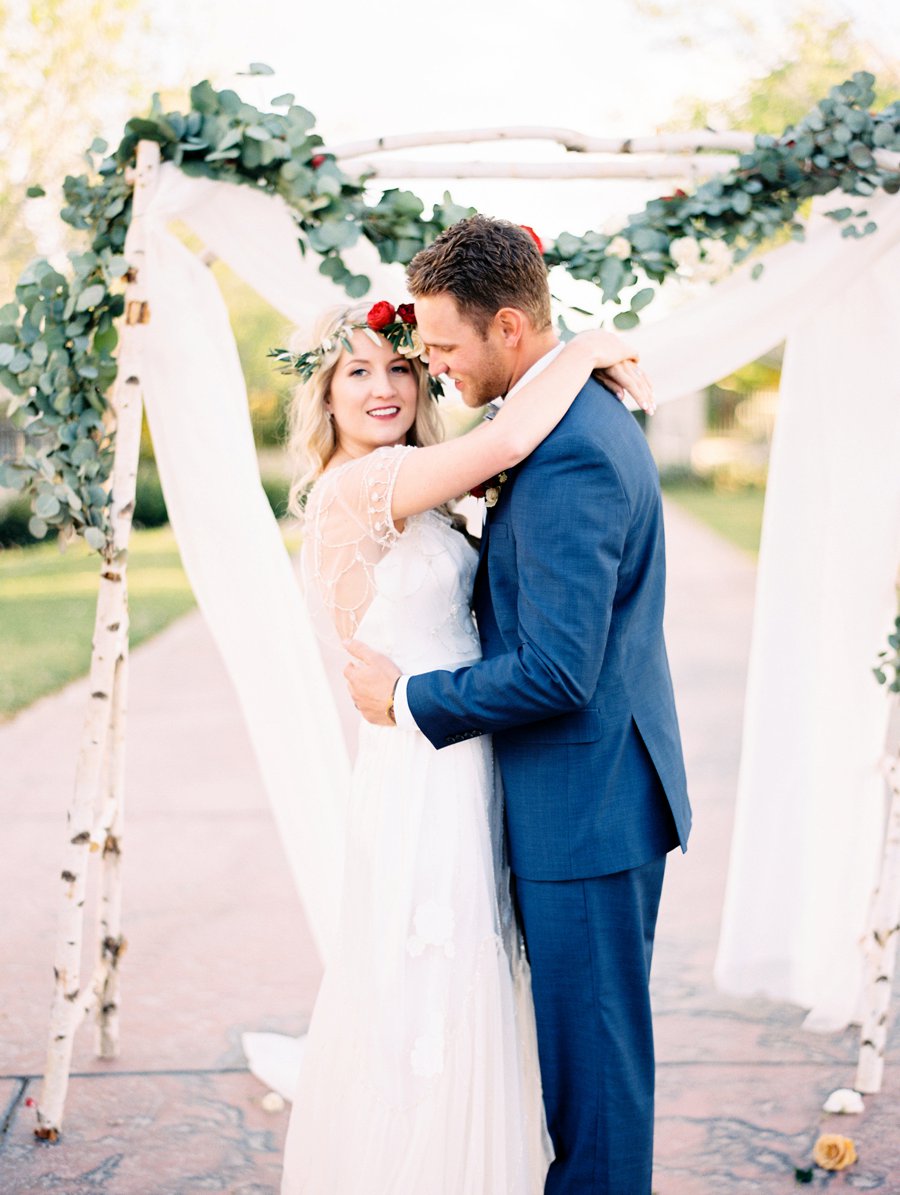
x=816, y=47
x=70, y=70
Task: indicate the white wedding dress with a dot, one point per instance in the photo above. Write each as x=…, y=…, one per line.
x=420, y=1072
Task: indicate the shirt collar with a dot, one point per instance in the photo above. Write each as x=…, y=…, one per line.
x=539, y=366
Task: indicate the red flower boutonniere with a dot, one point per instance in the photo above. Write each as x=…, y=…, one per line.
x=489, y=490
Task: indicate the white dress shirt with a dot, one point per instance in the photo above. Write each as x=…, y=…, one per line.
x=402, y=712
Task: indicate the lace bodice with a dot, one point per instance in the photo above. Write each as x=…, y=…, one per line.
x=406, y=593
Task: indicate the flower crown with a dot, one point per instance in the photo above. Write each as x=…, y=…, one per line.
x=396, y=325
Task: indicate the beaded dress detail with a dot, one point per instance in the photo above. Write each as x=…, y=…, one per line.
x=420, y=1074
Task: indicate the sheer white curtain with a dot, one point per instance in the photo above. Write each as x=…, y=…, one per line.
x=810, y=803
x=228, y=538
x=811, y=798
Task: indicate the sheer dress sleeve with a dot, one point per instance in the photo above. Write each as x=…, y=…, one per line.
x=348, y=530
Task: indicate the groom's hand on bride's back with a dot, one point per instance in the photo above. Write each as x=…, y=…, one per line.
x=371, y=679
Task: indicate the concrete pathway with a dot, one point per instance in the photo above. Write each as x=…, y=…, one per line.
x=217, y=944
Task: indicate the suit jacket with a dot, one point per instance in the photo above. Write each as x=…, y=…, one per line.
x=575, y=682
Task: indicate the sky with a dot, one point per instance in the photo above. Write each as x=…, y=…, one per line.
x=605, y=67
x=602, y=67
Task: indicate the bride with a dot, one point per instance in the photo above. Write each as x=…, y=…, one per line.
x=420, y=1073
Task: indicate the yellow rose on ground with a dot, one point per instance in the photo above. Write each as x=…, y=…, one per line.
x=834, y=1152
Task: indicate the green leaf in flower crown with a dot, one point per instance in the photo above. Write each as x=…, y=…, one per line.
x=258, y=68
x=35, y=192
x=283, y=101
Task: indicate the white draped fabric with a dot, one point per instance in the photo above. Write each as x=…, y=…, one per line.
x=810, y=809
x=811, y=796
x=228, y=538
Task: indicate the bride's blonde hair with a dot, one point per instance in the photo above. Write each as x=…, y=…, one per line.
x=312, y=440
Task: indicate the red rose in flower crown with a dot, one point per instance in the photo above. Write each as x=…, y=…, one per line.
x=534, y=236
x=317, y=160
x=380, y=315
x=407, y=313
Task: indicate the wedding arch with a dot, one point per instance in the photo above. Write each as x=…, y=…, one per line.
x=139, y=318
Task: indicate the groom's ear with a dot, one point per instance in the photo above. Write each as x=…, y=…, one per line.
x=512, y=324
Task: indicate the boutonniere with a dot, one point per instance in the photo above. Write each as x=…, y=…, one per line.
x=489, y=490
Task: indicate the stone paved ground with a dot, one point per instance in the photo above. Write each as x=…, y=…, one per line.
x=217, y=945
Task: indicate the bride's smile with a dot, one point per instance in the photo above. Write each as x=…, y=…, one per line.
x=372, y=399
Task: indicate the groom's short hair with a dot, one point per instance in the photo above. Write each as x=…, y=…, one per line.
x=484, y=264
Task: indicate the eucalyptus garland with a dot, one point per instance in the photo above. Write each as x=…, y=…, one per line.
x=729, y=217
x=58, y=336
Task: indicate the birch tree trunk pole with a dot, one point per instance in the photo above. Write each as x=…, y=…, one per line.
x=94, y=819
x=881, y=944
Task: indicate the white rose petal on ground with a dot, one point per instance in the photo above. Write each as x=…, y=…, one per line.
x=845, y=1101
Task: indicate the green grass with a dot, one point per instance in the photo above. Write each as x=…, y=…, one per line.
x=736, y=515
x=47, y=604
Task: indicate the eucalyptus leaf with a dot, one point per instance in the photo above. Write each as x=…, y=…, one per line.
x=626, y=319
x=642, y=298
x=95, y=538
x=46, y=506
x=37, y=527
x=90, y=297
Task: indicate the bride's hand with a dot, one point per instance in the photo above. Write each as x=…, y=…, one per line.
x=628, y=377
x=616, y=365
x=606, y=348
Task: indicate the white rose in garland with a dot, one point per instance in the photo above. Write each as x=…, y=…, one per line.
x=619, y=247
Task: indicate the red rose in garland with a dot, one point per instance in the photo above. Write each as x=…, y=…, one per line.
x=380, y=316
x=407, y=313
x=534, y=236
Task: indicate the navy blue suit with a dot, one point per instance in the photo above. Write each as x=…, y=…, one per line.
x=575, y=688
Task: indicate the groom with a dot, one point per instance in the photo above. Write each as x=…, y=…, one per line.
x=575, y=688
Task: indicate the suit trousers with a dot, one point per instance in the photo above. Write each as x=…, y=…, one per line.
x=590, y=944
